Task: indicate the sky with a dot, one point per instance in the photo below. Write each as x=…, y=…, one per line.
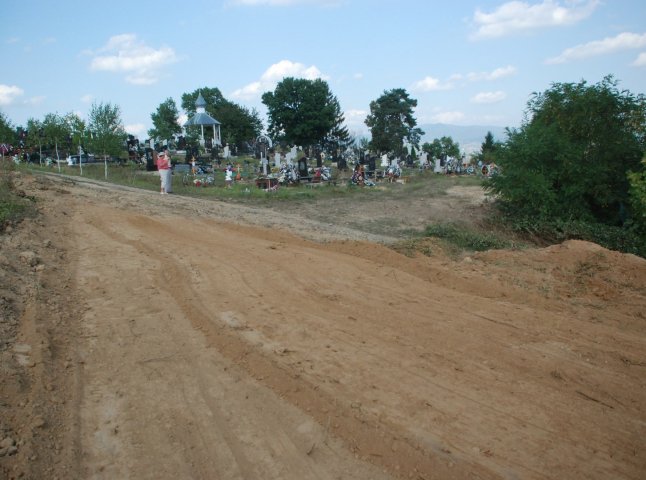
x=465, y=62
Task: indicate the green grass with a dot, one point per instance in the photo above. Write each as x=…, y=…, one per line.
x=425, y=185
x=467, y=239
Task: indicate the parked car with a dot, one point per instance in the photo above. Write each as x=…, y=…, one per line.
x=74, y=159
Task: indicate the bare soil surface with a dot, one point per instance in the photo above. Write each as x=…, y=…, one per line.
x=161, y=337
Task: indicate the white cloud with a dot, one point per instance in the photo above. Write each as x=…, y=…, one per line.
x=516, y=16
x=274, y=74
x=640, y=61
x=489, y=97
x=493, y=75
x=8, y=93
x=126, y=54
x=13, y=40
x=430, y=84
x=35, y=100
x=357, y=76
x=447, y=117
x=355, y=116
x=623, y=41
x=136, y=129
x=87, y=98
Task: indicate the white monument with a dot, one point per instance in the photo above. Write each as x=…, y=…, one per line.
x=277, y=159
x=264, y=163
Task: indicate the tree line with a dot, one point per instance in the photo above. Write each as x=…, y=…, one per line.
x=575, y=168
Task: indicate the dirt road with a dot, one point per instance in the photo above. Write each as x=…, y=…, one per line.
x=164, y=337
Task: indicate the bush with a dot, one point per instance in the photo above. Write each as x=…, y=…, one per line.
x=570, y=159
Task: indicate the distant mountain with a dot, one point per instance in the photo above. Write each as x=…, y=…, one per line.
x=470, y=137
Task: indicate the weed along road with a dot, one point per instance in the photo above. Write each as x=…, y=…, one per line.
x=167, y=337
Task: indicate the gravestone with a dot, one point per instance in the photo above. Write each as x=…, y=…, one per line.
x=372, y=164
x=277, y=159
x=150, y=164
x=341, y=164
x=302, y=167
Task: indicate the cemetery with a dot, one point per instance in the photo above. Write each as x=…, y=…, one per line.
x=314, y=306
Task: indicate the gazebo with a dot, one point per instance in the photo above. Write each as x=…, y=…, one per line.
x=202, y=118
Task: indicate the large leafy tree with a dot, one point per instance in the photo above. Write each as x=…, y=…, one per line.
x=570, y=158
x=391, y=122
x=239, y=125
x=302, y=112
x=56, y=132
x=108, y=134
x=78, y=132
x=442, y=148
x=165, y=121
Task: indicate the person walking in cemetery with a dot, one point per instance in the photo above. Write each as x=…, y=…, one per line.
x=164, y=166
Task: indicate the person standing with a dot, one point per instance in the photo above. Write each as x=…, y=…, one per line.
x=164, y=167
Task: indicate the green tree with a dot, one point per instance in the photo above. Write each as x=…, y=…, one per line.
x=301, y=112
x=108, y=135
x=7, y=131
x=638, y=198
x=569, y=160
x=56, y=132
x=77, y=131
x=239, y=125
x=165, y=121
x=339, y=138
x=488, y=149
x=36, y=137
x=442, y=148
x=391, y=121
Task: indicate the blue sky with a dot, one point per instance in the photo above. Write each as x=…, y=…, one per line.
x=466, y=62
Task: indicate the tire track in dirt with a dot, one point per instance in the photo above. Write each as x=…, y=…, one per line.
x=174, y=273
x=451, y=323
x=259, y=353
